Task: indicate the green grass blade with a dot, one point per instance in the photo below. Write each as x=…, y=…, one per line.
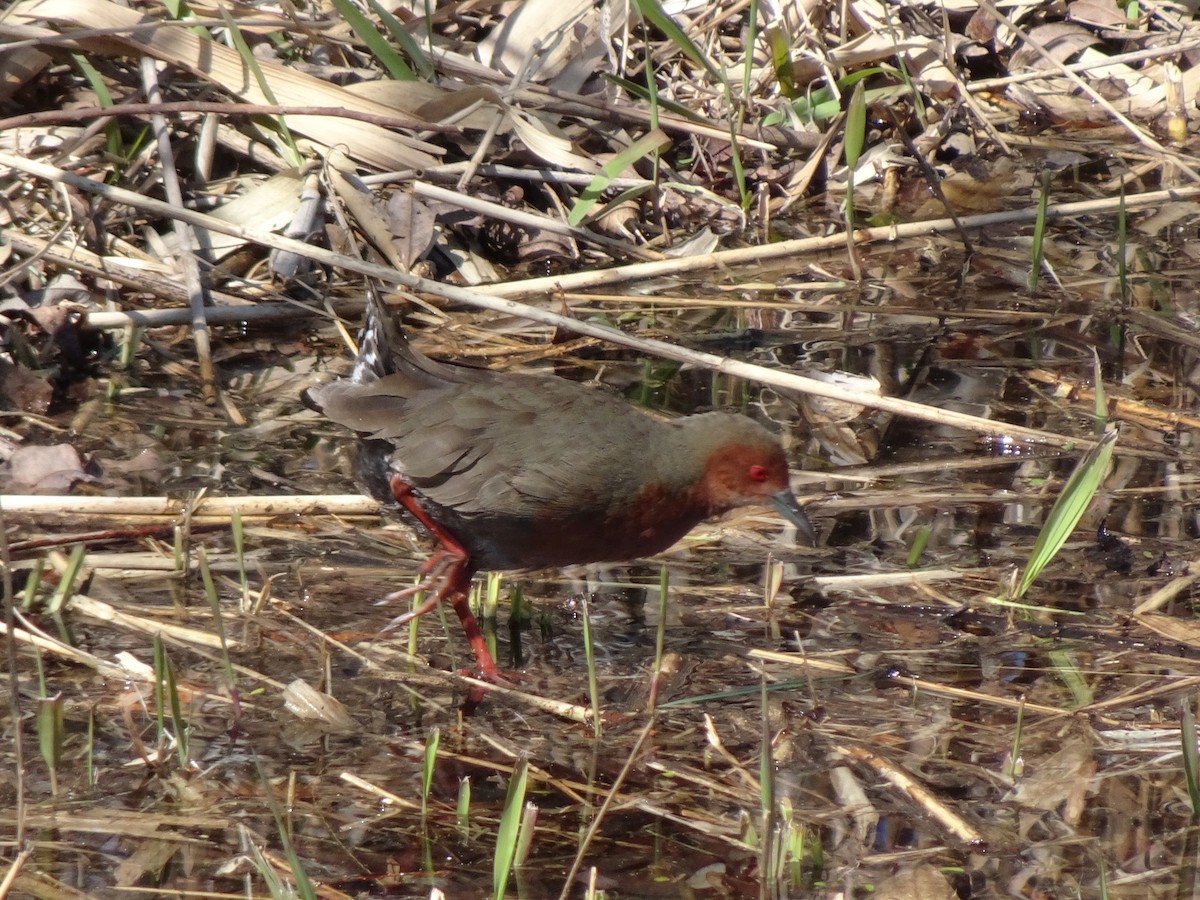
x=407, y=42
x=856, y=127
x=652, y=12
x=112, y=131
x=652, y=142
x=376, y=42
x=32, y=582
x=766, y=762
x=214, y=602
x=1101, y=406
x=781, y=60
x=1015, y=764
x=248, y=59
x=1068, y=509
x=181, y=726
x=529, y=817
x=160, y=688
x=491, y=596
x=1066, y=669
x=589, y=652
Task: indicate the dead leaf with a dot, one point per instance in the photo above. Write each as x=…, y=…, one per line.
x=40, y=469
x=412, y=222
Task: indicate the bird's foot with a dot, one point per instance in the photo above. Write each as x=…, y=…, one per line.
x=495, y=676
x=405, y=618
x=505, y=678
x=432, y=574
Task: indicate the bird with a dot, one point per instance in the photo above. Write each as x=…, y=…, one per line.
x=515, y=471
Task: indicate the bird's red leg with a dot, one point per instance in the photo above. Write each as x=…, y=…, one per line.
x=452, y=568
x=458, y=584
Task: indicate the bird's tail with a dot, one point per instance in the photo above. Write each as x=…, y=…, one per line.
x=382, y=348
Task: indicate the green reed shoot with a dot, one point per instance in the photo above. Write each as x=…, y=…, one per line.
x=112, y=130
x=1100, y=416
x=66, y=582
x=214, y=602
x=510, y=820
x=239, y=554
x=1039, y=234
x=1015, y=764
x=274, y=884
x=462, y=812
x=529, y=817
x=855, y=138
x=415, y=625
x=920, y=542
x=166, y=695
x=1074, y=500
x=1068, y=671
x=1191, y=762
x=407, y=42
x=304, y=888
x=32, y=582
x=647, y=145
x=491, y=595
x=50, y=729
x=428, y=766
x=766, y=759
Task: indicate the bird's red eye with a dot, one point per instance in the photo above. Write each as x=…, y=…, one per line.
x=758, y=473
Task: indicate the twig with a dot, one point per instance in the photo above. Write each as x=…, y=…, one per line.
x=529, y=220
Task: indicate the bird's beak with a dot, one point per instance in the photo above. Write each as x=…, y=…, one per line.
x=788, y=506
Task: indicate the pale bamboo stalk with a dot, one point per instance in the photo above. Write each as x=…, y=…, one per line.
x=104, y=612
x=223, y=507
